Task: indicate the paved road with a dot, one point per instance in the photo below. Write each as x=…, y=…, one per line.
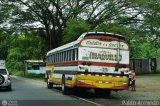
x=147, y=89
x=28, y=92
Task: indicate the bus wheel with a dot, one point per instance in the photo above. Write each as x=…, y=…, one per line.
x=49, y=84
x=65, y=89
x=103, y=92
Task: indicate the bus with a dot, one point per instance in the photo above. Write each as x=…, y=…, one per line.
x=96, y=60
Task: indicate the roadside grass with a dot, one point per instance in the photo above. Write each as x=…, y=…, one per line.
x=28, y=75
x=34, y=76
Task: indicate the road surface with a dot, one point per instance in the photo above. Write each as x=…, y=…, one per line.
x=28, y=92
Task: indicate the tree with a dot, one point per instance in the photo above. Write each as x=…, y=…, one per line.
x=74, y=28
x=24, y=47
x=4, y=44
x=52, y=16
x=138, y=20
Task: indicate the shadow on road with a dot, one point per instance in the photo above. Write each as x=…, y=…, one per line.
x=4, y=90
x=87, y=94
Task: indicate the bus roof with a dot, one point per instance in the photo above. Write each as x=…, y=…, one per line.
x=64, y=47
x=101, y=33
x=74, y=43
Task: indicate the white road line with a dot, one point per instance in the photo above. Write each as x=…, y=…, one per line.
x=88, y=101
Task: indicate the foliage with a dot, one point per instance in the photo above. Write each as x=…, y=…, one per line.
x=144, y=50
x=35, y=76
x=28, y=28
x=24, y=47
x=74, y=29
x=3, y=44
x=115, y=28
x=52, y=16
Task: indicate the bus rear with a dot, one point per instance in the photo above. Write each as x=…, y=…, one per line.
x=103, y=61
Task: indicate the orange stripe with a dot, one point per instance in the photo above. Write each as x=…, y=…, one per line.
x=82, y=84
x=121, y=87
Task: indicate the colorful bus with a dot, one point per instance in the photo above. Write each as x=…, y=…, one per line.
x=96, y=60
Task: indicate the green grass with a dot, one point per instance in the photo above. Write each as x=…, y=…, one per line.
x=28, y=75
x=17, y=73
x=35, y=76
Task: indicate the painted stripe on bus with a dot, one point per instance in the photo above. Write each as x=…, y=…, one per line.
x=72, y=68
x=74, y=63
x=72, y=72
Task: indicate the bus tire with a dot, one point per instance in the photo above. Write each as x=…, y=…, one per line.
x=65, y=89
x=49, y=84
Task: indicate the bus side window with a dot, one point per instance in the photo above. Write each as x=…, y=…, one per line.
x=58, y=57
x=50, y=59
x=70, y=55
x=73, y=52
x=76, y=54
x=63, y=57
x=65, y=54
x=47, y=59
x=55, y=57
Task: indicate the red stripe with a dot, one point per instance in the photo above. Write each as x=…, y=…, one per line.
x=75, y=63
x=68, y=63
x=121, y=87
x=82, y=84
x=104, y=38
x=103, y=64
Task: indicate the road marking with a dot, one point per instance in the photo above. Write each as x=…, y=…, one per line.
x=88, y=101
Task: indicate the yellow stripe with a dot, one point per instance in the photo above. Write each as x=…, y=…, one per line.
x=50, y=66
x=102, y=81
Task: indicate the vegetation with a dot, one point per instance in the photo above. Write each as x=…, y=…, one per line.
x=29, y=28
